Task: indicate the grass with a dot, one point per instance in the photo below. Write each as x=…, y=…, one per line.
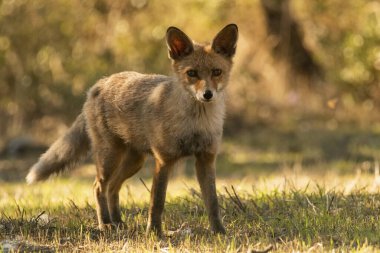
x=290, y=214
x=279, y=191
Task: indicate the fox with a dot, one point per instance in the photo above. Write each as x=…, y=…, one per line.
x=128, y=116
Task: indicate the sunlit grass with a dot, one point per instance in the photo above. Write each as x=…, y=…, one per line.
x=291, y=211
x=316, y=190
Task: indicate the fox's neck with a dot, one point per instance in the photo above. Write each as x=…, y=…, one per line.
x=208, y=115
x=208, y=109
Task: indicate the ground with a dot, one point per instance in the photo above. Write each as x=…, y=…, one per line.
x=308, y=189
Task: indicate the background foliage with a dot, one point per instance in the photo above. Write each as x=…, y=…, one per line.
x=52, y=51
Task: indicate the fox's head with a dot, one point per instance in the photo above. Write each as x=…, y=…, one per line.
x=203, y=70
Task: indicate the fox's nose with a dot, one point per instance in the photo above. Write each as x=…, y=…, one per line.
x=207, y=94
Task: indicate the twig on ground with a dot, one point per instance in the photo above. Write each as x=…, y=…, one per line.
x=146, y=187
x=38, y=216
x=312, y=205
x=329, y=204
x=236, y=200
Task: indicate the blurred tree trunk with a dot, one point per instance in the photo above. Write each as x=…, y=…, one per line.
x=289, y=39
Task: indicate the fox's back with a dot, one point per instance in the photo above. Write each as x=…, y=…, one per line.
x=150, y=111
x=115, y=104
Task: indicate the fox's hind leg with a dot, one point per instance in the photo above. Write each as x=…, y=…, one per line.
x=107, y=159
x=132, y=162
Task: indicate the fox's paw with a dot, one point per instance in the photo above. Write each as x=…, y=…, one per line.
x=218, y=229
x=106, y=227
x=155, y=230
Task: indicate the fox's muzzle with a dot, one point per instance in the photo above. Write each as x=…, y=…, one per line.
x=207, y=95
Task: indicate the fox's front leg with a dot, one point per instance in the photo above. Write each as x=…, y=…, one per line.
x=158, y=194
x=205, y=167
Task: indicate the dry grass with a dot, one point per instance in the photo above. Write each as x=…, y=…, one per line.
x=292, y=211
x=294, y=189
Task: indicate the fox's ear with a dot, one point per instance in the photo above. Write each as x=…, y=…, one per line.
x=179, y=44
x=225, y=41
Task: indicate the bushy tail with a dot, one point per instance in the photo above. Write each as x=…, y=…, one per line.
x=63, y=154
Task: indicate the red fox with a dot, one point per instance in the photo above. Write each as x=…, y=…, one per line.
x=129, y=115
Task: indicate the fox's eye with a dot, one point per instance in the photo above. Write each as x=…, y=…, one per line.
x=192, y=73
x=216, y=72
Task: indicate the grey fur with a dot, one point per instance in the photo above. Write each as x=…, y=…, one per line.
x=63, y=154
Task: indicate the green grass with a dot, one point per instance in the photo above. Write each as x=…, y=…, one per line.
x=293, y=190
x=291, y=214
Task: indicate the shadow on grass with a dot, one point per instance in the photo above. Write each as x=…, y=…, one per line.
x=265, y=150
x=261, y=150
